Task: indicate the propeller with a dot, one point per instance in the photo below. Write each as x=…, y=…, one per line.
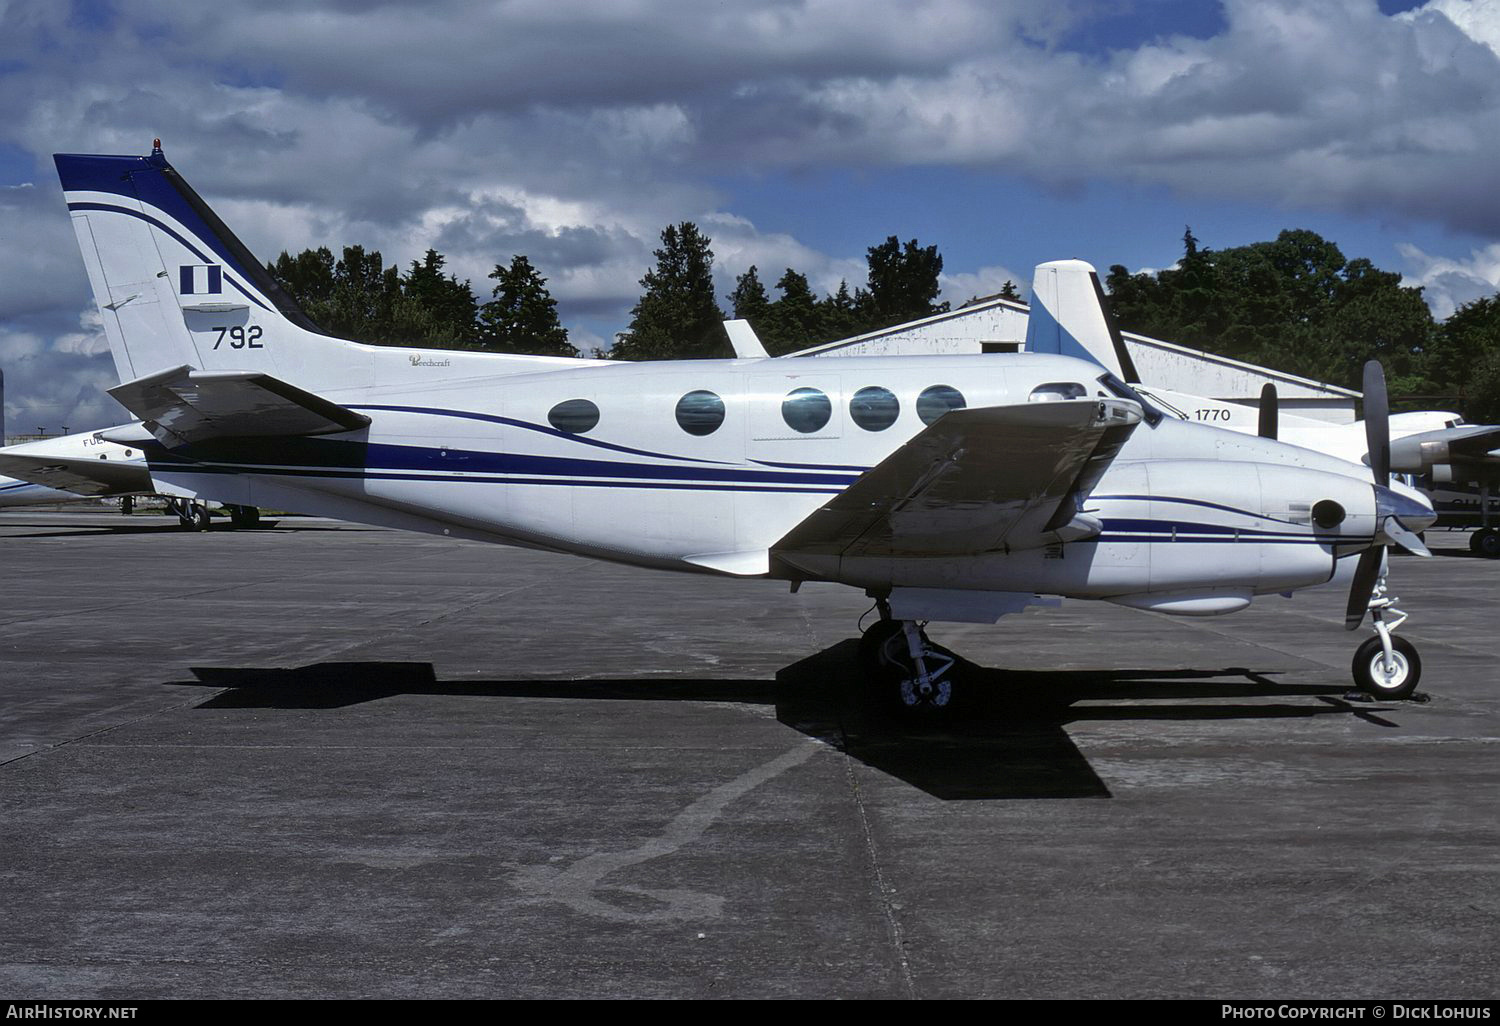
x=1389, y=505
x=1377, y=423
x=1269, y=411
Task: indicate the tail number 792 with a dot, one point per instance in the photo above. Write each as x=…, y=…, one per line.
x=239, y=337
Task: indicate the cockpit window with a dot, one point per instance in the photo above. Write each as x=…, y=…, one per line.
x=1057, y=391
x=1121, y=390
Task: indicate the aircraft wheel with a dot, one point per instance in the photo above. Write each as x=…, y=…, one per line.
x=200, y=517
x=875, y=651
x=1394, y=682
x=244, y=516
x=938, y=699
x=1488, y=543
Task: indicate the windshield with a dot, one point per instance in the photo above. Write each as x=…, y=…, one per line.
x=1124, y=391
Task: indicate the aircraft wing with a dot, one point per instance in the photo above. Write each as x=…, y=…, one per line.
x=990, y=479
x=185, y=405
x=80, y=475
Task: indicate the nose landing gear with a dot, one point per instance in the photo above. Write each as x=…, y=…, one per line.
x=1386, y=666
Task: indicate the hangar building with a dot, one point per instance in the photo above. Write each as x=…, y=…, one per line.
x=996, y=325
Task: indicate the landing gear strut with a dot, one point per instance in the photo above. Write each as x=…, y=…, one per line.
x=1386, y=666
x=192, y=515
x=898, y=652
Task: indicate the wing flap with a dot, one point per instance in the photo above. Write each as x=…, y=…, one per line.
x=185, y=405
x=979, y=480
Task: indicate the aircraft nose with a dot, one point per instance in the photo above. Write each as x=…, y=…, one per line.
x=1413, y=510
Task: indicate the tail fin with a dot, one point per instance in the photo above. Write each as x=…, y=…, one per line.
x=173, y=284
x=1070, y=316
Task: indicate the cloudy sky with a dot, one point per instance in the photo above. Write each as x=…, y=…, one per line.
x=796, y=133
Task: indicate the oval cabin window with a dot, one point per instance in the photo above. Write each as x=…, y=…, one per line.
x=874, y=408
x=938, y=400
x=806, y=410
x=700, y=412
x=575, y=416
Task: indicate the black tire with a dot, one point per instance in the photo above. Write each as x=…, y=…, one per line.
x=888, y=671
x=878, y=669
x=1367, y=673
x=201, y=518
x=244, y=516
x=1488, y=543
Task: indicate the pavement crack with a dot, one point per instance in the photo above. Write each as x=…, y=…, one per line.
x=882, y=889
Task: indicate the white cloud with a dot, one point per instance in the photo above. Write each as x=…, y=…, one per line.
x=958, y=289
x=572, y=131
x=1450, y=282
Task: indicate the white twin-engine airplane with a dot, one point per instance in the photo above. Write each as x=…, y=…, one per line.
x=949, y=488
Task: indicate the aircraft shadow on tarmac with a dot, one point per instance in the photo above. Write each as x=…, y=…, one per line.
x=1007, y=739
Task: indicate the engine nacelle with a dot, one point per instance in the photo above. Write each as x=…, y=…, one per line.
x=1243, y=528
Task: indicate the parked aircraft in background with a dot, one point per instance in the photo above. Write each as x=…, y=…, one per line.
x=78, y=467
x=1457, y=464
x=950, y=488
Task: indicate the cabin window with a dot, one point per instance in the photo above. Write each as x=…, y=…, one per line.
x=938, y=400
x=1055, y=391
x=700, y=412
x=806, y=410
x=874, y=408
x=575, y=416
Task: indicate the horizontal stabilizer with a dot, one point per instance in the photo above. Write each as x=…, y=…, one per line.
x=184, y=405
x=979, y=480
x=746, y=342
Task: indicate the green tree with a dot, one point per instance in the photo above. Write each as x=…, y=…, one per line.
x=677, y=316
x=795, y=321
x=1467, y=360
x=904, y=281
x=748, y=300
x=522, y=317
x=1294, y=303
x=440, y=310
x=844, y=315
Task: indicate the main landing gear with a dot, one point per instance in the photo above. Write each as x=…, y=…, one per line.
x=193, y=516
x=899, y=655
x=1386, y=666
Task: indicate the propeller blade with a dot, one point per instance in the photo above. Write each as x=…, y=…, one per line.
x=1269, y=411
x=1377, y=422
x=1366, y=574
x=1400, y=535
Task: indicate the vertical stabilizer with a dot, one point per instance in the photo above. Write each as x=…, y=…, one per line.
x=175, y=287
x=1070, y=317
